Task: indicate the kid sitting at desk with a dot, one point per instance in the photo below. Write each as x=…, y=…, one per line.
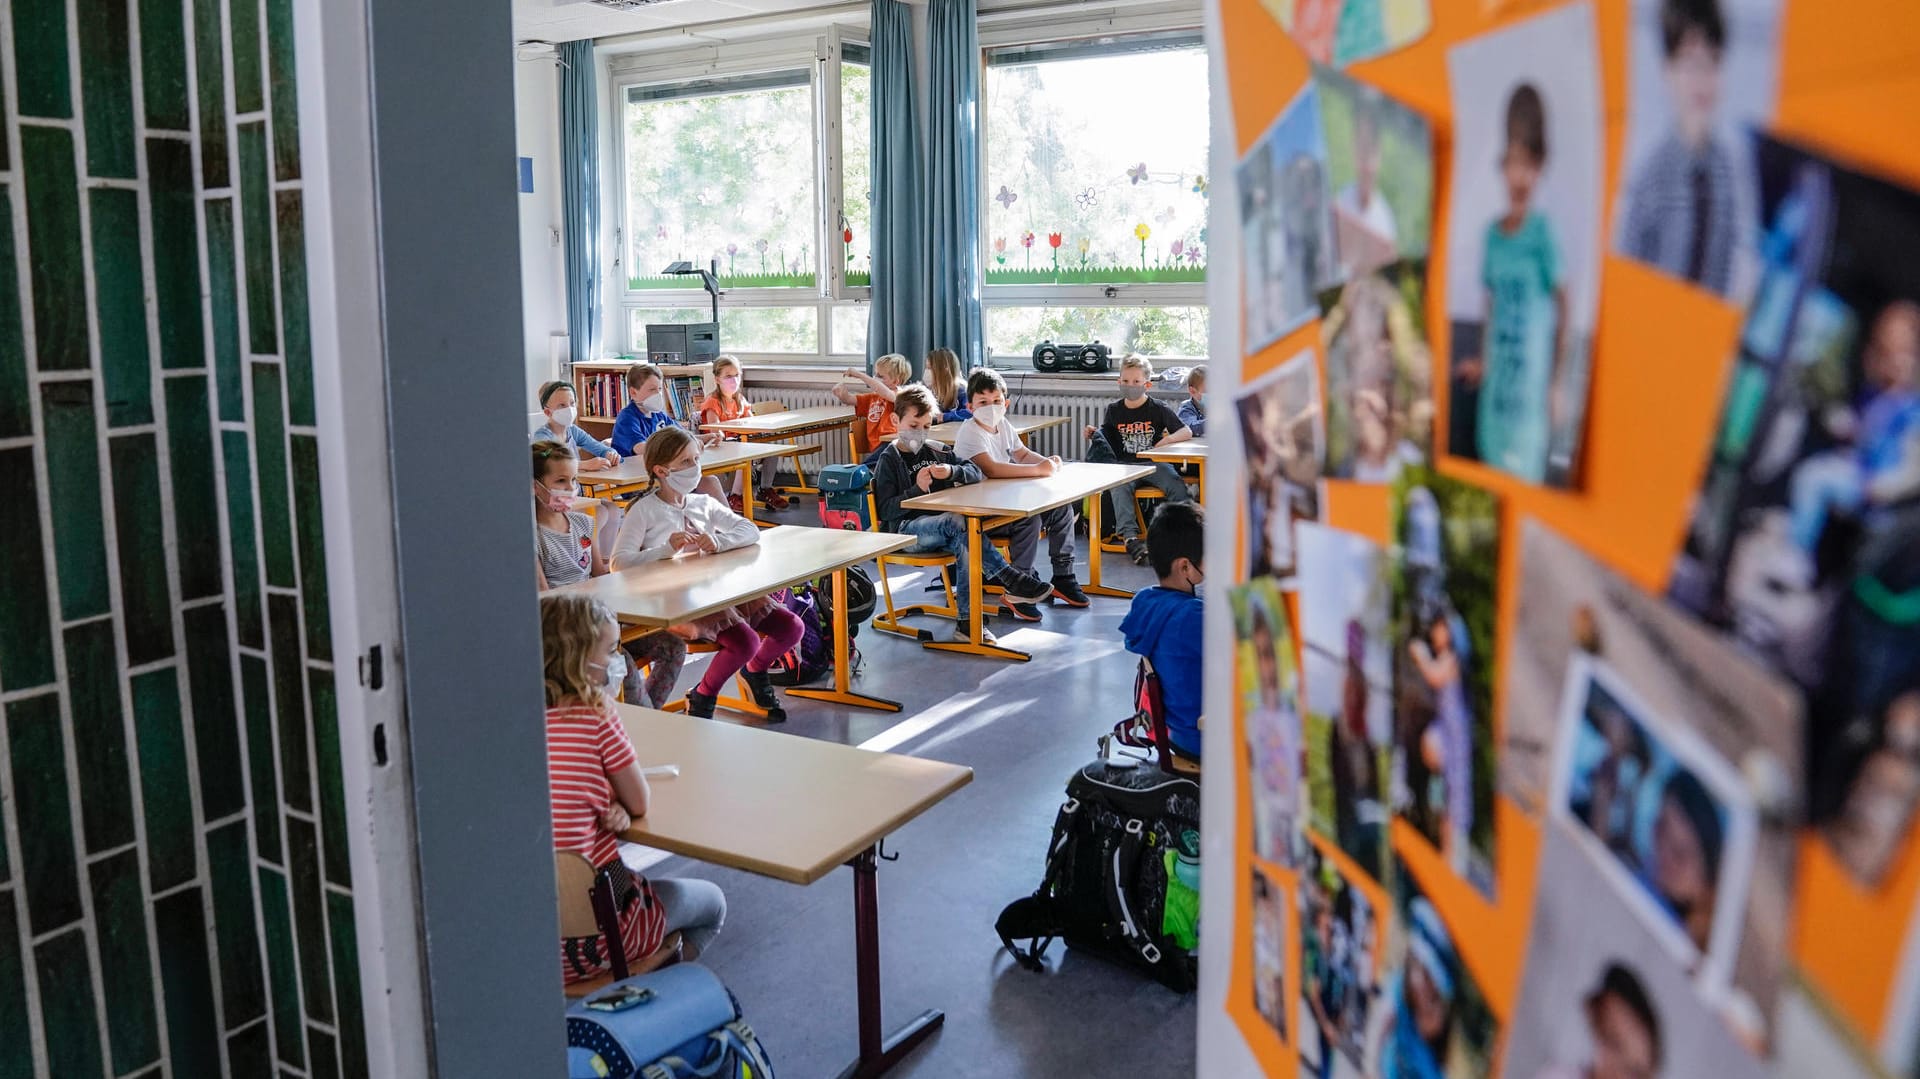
x=556, y=400
x=876, y=405
x=597, y=790
x=949, y=389
x=1133, y=425
x=1165, y=623
x=675, y=520
x=564, y=554
x=1193, y=411
x=913, y=465
x=725, y=403
x=646, y=413
x=988, y=441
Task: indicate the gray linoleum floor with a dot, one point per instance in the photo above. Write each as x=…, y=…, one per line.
x=787, y=952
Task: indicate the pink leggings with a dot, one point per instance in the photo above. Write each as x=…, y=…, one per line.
x=754, y=644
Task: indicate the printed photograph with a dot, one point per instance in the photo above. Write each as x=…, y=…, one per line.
x=1380, y=170
x=1669, y=821
x=1284, y=435
x=1600, y=997
x=1804, y=542
x=1442, y=614
x=1432, y=1019
x=1270, y=952
x=1379, y=374
x=1269, y=687
x=1523, y=250
x=1575, y=616
x=1349, y=691
x=1701, y=73
x=1342, y=32
x=1340, y=939
x=1286, y=225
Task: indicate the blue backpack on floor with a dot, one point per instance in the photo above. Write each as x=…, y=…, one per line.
x=676, y=1023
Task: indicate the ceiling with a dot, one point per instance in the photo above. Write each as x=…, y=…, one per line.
x=571, y=20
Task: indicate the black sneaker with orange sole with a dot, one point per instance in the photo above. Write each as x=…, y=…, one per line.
x=1066, y=589
x=1024, y=612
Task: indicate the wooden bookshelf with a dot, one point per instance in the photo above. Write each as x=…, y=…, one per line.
x=600, y=388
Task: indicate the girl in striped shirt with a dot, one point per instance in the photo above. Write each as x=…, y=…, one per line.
x=597, y=790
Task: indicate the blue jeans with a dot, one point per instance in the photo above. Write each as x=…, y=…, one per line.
x=946, y=533
x=697, y=908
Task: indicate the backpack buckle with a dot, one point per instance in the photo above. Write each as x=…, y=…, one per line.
x=1135, y=826
x=1072, y=806
x=1150, y=953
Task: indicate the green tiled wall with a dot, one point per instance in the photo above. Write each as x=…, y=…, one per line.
x=175, y=889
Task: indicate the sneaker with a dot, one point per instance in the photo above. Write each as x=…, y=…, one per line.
x=765, y=696
x=1025, y=612
x=1022, y=587
x=737, y=504
x=699, y=705
x=774, y=499
x=1137, y=550
x=962, y=636
x=1066, y=589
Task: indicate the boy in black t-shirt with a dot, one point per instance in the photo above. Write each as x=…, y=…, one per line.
x=1133, y=424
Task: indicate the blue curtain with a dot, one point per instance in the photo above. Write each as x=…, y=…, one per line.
x=899, y=320
x=953, y=178
x=580, y=192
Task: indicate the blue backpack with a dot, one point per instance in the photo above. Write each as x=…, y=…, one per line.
x=676, y=1023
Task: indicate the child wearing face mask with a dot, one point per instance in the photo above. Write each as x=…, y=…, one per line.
x=556, y=400
x=727, y=403
x=1165, y=623
x=677, y=520
x=1193, y=411
x=564, y=554
x=1134, y=424
x=646, y=413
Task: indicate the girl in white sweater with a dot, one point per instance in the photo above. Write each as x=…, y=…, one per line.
x=677, y=521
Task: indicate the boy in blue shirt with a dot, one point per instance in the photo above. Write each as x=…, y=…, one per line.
x=1165, y=623
x=646, y=412
x=1193, y=411
x=556, y=400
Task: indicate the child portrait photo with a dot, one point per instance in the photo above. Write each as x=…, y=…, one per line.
x=1443, y=605
x=1379, y=374
x=1284, y=434
x=1340, y=942
x=1286, y=225
x=1349, y=691
x=1432, y=1019
x=1342, y=32
x=1270, y=952
x=1600, y=997
x=1523, y=247
x=1380, y=170
x=1701, y=73
x=1804, y=542
x=1269, y=686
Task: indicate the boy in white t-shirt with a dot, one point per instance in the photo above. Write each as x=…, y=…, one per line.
x=989, y=442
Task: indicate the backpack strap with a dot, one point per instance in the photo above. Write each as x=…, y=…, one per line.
x=1124, y=864
x=1031, y=956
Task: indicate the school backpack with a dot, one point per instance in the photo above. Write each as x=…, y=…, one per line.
x=679, y=1022
x=1123, y=875
x=812, y=601
x=843, y=496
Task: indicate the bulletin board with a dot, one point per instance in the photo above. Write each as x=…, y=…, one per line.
x=1621, y=584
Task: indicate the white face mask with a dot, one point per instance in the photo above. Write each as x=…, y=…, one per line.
x=654, y=403
x=564, y=416
x=684, y=480
x=911, y=439
x=616, y=668
x=991, y=415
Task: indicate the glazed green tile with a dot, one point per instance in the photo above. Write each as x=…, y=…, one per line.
x=16, y=1053
x=310, y=533
x=230, y=870
x=256, y=225
x=55, y=265
x=224, y=296
x=26, y=624
x=326, y=1061
x=346, y=986
x=73, y=482
x=209, y=31
x=270, y=447
x=290, y=701
x=250, y=1054
x=216, y=722
x=293, y=306
x=164, y=791
x=241, y=549
x=146, y=603
x=42, y=802
x=285, y=92
x=68, y=1022
x=16, y=406
x=266, y=789
x=283, y=975
x=40, y=58
x=163, y=67
x=248, y=95
x=106, y=89
x=176, y=253
x=196, y=500
x=186, y=982
x=100, y=747
x=333, y=792
x=133, y=1037
x=120, y=303
x=309, y=918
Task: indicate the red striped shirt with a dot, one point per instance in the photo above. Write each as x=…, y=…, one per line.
x=585, y=746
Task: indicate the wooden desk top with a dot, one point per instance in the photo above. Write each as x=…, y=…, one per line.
x=780, y=423
x=779, y=805
x=1023, y=498
x=675, y=590
x=1193, y=449
x=727, y=455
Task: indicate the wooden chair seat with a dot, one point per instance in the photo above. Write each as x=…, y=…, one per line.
x=586, y=910
x=1146, y=494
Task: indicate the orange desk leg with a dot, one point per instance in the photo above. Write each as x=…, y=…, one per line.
x=974, y=646
x=1095, y=556
x=842, y=691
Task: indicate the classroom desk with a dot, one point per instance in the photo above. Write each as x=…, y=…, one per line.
x=792, y=809
x=1022, y=427
x=994, y=503
x=1191, y=452
x=789, y=425
x=676, y=590
x=630, y=476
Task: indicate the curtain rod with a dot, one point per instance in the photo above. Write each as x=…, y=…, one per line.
x=699, y=33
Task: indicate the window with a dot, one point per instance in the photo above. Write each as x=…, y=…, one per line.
x=856, y=169
x=750, y=330
x=1150, y=331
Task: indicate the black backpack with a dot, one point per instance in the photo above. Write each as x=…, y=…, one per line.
x=1126, y=835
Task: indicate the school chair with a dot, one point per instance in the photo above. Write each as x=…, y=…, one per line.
x=742, y=703
x=586, y=910
x=1147, y=727
x=1146, y=494
x=805, y=449
x=890, y=622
